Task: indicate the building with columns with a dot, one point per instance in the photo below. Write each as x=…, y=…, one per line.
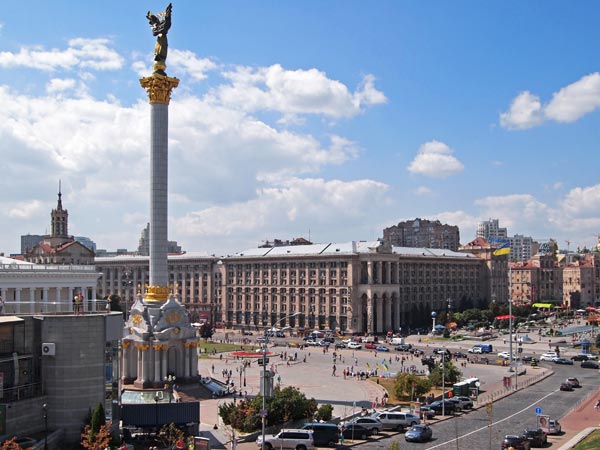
x=28, y=288
x=354, y=286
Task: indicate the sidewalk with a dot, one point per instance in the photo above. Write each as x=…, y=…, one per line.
x=583, y=417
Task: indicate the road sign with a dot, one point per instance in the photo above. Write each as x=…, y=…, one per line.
x=263, y=413
x=538, y=410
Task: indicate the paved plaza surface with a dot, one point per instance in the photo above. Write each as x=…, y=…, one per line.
x=316, y=380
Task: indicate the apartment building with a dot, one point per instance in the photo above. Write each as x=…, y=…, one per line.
x=423, y=233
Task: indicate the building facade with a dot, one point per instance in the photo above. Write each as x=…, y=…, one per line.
x=355, y=286
x=423, y=233
x=28, y=288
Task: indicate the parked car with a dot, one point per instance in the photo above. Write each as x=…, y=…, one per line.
x=418, y=433
x=573, y=382
x=340, y=345
x=382, y=348
x=516, y=442
x=371, y=345
x=554, y=427
x=427, y=412
x=355, y=431
x=566, y=387
x=449, y=407
x=324, y=434
x=465, y=402
x=590, y=365
x=536, y=437
x=354, y=345
x=370, y=423
x=397, y=420
x=288, y=438
x=566, y=361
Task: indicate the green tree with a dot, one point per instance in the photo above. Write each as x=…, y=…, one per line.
x=407, y=384
x=452, y=374
x=325, y=412
x=206, y=330
x=98, y=419
x=288, y=404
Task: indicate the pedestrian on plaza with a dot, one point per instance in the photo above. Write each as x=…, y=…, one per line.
x=597, y=404
x=333, y=371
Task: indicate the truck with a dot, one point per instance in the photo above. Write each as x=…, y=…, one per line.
x=481, y=348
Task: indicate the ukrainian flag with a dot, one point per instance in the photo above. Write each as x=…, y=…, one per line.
x=504, y=249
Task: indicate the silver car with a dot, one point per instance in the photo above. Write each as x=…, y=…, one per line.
x=296, y=439
x=370, y=423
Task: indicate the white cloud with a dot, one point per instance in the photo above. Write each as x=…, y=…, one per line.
x=435, y=159
x=58, y=85
x=81, y=53
x=188, y=62
x=582, y=202
x=575, y=100
x=24, y=210
x=294, y=204
x=525, y=112
x=515, y=211
x=292, y=92
x=567, y=105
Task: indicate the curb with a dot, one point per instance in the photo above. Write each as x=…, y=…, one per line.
x=578, y=438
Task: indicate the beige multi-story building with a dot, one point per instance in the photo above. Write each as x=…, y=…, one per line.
x=423, y=233
x=355, y=286
x=536, y=280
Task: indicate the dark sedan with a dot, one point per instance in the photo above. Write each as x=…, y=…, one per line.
x=536, y=437
x=355, y=431
x=566, y=387
x=580, y=358
x=418, y=433
x=460, y=355
x=515, y=442
x=449, y=407
x=590, y=365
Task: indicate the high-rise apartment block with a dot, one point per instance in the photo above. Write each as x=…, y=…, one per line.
x=490, y=230
x=423, y=233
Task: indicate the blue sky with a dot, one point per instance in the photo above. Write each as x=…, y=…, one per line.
x=339, y=118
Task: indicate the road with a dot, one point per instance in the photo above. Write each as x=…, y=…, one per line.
x=508, y=416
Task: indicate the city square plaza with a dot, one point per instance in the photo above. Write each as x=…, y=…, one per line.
x=349, y=395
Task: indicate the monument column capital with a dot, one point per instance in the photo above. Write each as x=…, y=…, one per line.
x=159, y=88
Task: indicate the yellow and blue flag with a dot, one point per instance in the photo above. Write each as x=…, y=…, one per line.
x=504, y=249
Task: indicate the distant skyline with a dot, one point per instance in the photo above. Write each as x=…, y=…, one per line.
x=330, y=119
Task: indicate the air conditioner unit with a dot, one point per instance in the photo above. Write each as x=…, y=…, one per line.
x=48, y=349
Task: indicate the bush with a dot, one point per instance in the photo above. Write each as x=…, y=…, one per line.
x=408, y=383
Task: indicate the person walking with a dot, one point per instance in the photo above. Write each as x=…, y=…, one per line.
x=333, y=371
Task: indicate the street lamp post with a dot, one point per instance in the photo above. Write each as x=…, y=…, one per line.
x=263, y=413
x=45, y=410
x=444, y=382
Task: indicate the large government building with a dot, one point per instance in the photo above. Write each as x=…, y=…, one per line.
x=354, y=286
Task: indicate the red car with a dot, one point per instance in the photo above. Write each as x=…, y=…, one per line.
x=371, y=345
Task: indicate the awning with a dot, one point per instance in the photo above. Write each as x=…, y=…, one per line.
x=505, y=317
x=542, y=305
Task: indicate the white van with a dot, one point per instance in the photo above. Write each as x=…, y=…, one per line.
x=397, y=341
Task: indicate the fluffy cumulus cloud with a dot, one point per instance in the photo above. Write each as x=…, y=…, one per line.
x=293, y=92
x=295, y=204
x=515, y=211
x=525, y=112
x=582, y=201
x=94, y=54
x=435, y=159
x=567, y=105
x=231, y=171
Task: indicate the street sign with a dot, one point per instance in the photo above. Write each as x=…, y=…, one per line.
x=263, y=413
x=538, y=410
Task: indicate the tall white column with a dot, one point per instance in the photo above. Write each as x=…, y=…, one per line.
x=18, y=300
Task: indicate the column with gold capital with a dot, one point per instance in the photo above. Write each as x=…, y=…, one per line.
x=159, y=88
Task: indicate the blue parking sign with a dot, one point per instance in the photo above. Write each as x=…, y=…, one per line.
x=538, y=410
